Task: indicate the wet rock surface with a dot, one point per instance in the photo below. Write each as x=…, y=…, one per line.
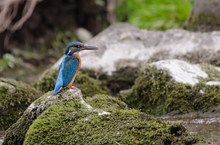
x=205, y=125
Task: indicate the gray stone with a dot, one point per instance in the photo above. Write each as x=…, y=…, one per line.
x=122, y=42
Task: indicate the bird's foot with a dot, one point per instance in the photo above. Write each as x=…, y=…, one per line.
x=71, y=87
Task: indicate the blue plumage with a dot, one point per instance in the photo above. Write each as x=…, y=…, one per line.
x=70, y=65
x=66, y=73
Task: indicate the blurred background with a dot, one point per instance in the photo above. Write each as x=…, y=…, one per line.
x=34, y=33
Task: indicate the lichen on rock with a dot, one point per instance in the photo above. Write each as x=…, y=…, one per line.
x=67, y=119
x=15, y=97
x=161, y=89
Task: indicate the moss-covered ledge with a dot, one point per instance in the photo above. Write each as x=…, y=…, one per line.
x=67, y=119
x=15, y=97
x=159, y=90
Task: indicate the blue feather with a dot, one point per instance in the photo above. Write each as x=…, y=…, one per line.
x=67, y=70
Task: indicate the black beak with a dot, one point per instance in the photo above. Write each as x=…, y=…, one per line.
x=86, y=47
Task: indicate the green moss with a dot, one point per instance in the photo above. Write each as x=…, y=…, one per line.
x=71, y=123
x=88, y=85
x=208, y=100
x=106, y=102
x=203, y=22
x=155, y=92
x=213, y=73
x=68, y=121
x=14, y=99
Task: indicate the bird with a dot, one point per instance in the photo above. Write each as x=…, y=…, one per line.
x=70, y=65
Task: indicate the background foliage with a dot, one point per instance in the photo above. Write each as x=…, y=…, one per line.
x=154, y=14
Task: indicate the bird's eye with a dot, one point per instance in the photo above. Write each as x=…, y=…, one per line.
x=78, y=46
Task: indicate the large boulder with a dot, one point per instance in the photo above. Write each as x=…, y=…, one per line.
x=125, y=45
x=175, y=87
x=15, y=97
x=67, y=119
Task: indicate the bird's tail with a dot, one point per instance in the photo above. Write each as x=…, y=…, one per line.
x=57, y=89
x=58, y=85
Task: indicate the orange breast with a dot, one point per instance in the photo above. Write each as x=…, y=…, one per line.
x=79, y=59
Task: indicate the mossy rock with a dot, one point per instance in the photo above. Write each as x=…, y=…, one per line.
x=89, y=86
x=204, y=16
x=67, y=119
x=15, y=134
x=204, y=22
x=15, y=97
x=156, y=92
x=204, y=56
x=121, y=79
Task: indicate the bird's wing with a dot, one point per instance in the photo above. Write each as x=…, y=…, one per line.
x=59, y=81
x=70, y=68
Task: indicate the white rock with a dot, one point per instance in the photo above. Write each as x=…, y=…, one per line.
x=182, y=71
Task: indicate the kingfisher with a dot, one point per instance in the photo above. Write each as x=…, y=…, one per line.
x=70, y=65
